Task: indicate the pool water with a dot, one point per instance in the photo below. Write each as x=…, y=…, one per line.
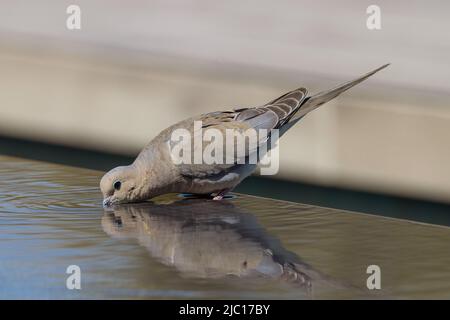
x=244, y=247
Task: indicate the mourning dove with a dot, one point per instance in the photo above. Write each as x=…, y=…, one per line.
x=154, y=171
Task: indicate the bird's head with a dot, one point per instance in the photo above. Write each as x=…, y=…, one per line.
x=119, y=185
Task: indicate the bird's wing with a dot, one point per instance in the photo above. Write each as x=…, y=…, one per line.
x=269, y=116
x=281, y=113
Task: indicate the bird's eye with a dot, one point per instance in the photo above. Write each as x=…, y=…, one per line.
x=117, y=185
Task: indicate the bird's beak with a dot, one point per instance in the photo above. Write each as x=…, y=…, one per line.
x=107, y=202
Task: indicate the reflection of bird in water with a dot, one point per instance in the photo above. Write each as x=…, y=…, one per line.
x=207, y=239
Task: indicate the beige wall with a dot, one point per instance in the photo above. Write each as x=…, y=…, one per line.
x=114, y=86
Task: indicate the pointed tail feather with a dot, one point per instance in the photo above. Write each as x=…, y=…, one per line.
x=317, y=100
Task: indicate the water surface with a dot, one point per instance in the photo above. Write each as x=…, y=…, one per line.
x=175, y=247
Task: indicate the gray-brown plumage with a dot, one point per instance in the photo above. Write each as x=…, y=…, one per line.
x=154, y=171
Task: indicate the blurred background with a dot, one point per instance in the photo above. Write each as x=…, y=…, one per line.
x=95, y=96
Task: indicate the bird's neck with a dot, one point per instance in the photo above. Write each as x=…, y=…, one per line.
x=156, y=173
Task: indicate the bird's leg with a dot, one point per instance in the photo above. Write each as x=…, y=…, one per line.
x=221, y=194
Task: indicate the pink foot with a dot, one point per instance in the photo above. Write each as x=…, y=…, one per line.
x=221, y=194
